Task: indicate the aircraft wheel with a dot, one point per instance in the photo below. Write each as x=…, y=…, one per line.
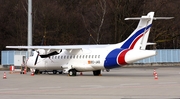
x=36, y=71
x=72, y=72
x=60, y=72
x=97, y=72
x=54, y=72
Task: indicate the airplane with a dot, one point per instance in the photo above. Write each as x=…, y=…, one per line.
x=81, y=58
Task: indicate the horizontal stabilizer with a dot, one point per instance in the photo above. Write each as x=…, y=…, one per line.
x=136, y=18
x=166, y=18
x=151, y=44
x=154, y=18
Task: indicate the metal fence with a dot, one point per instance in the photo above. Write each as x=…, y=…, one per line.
x=163, y=56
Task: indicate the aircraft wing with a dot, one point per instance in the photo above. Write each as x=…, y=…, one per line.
x=47, y=51
x=57, y=47
x=42, y=47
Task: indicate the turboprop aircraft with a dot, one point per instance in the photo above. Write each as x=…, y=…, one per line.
x=81, y=58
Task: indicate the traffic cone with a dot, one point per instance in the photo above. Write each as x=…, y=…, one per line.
x=4, y=77
x=24, y=71
x=156, y=77
x=81, y=73
x=154, y=73
x=32, y=74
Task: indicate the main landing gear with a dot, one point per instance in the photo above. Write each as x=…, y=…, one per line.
x=53, y=71
x=97, y=73
x=73, y=72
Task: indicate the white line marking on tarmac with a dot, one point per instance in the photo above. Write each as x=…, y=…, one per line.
x=132, y=84
x=49, y=87
x=168, y=83
x=9, y=89
x=92, y=86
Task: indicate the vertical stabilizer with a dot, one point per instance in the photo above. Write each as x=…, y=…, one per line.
x=139, y=37
x=147, y=31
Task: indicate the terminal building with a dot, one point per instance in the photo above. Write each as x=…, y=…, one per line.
x=13, y=58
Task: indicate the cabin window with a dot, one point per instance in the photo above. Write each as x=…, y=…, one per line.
x=77, y=56
x=98, y=56
x=95, y=56
x=70, y=56
x=89, y=56
x=92, y=56
x=64, y=57
x=83, y=56
x=73, y=56
x=61, y=57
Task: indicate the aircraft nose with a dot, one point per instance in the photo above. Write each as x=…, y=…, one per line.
x=30, y=63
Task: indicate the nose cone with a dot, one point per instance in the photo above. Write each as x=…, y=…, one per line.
x=30, y=63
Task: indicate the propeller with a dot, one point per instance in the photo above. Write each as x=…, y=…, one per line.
x=45, y=55
x=36, y=58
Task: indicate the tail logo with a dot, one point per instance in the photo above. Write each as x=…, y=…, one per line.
x=130, y=42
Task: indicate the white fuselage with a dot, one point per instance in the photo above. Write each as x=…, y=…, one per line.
x=88, y=59
x=84, y=59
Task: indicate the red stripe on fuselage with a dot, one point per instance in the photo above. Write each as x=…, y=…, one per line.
x=121, y=57
x=134, y=42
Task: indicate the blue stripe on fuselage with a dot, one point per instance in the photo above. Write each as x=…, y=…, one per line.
x=128, y=43
x=111, y=59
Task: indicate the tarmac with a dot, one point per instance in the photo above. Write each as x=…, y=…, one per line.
x=121, y=83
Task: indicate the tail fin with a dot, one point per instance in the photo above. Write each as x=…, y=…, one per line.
x=138, y=39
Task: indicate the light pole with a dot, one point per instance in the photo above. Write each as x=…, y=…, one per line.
x=29, y=25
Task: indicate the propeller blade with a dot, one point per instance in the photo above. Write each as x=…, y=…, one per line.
x=50, y=54
x=36, y=58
